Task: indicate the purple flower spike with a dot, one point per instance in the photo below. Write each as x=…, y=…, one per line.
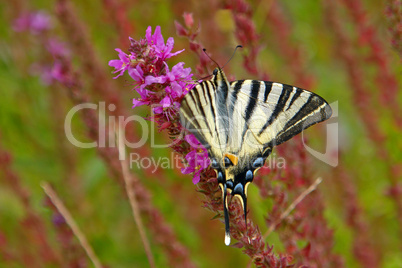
x=162, y=88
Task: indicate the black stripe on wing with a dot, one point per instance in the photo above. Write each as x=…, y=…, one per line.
x=295, y=97
x=255, y=90
x=237, y=85
x=285, y=93
x=315, y=110
x=268, y=87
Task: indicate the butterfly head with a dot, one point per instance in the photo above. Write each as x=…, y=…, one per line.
x=219, y=78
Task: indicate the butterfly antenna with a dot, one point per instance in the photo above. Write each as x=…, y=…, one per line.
x=234, y=52
x=205, y=51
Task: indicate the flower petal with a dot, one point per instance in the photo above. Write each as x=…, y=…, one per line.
x=158, y=109
x=192, y=140
x=136, y=73
x=148, y=35
x=115, y=64
x=137, y=102
x=196, y=178
x=166, y=102
x=158, y=38
x=187, y=170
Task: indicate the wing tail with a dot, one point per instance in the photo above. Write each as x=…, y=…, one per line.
x=226, y=213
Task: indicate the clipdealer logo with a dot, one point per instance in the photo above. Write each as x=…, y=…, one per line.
x=112, y=130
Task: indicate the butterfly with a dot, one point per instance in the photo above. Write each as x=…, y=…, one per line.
x=240, y=122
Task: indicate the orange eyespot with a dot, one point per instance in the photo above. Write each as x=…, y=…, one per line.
x=234, y=159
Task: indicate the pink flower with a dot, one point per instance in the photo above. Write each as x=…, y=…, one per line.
x=137, y=102
x=57, y=48
x=174, y=90
x=197, y=158
x=35, y=22
x=122, y=64
x=178, y=73
x=192, y=140
x=137, y=74
x=156, y=41
x=197, y=161
x=164, y=103
x=50, y=74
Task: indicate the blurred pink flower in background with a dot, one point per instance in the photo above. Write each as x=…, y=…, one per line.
x=35, y=22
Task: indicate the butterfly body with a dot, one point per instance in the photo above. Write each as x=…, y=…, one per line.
x=240, y=122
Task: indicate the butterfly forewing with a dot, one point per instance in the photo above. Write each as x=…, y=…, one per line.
x=200, y=114
x=276, y=112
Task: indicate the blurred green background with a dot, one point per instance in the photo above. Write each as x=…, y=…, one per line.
x=32, y=134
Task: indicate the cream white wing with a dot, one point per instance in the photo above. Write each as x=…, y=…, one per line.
x=267, y=114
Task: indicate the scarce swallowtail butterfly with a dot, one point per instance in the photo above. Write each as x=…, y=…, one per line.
x=240, y=122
